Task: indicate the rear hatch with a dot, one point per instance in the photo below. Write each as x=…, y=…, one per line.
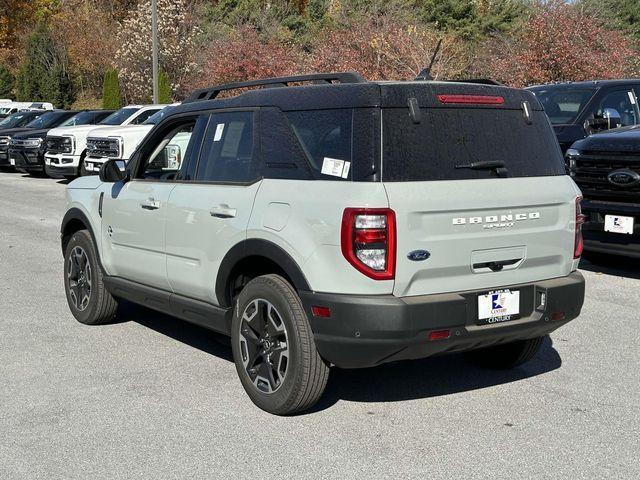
x=484, y=225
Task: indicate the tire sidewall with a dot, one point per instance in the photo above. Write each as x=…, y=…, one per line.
x=83, y=239
x=278, y=400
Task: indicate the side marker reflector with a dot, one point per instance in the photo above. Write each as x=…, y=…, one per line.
x=324, y=312
x=439, y=335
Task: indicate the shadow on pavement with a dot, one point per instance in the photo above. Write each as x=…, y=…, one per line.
x=185, y=332
x=611, y=265
x=407, y=380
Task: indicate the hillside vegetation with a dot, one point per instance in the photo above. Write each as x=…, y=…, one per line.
x=65, y=50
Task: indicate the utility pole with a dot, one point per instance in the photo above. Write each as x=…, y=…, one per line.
x=154, y=47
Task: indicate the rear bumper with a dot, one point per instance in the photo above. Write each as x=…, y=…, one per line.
x=597, y=240
x=364, y=331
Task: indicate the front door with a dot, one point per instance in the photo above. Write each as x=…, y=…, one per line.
x=135, y=213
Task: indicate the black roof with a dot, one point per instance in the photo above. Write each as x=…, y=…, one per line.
x=588, y=83
x=350, y=91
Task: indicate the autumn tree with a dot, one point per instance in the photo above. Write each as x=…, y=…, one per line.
x=176, y=34
x=383, y=49
x=559, y=42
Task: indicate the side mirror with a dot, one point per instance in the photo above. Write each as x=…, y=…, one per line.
x=110, y=172
x=613, y=118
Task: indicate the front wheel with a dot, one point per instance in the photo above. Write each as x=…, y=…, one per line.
x=508, y=355
x=273, y=348
x=88, y=299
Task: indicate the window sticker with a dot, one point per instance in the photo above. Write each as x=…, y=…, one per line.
x=218, y=134
x=632, y=97
x=335, y=167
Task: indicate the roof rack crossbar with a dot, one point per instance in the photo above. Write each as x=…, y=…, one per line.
x=318, y=78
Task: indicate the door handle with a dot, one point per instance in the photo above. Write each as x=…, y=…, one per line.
x=150, y=204
x=223, y=211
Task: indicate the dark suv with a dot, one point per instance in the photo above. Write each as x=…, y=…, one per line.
x=578, y=109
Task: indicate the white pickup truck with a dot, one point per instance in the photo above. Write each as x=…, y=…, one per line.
x=119, y=142
x=7, y=107
x=67, y=147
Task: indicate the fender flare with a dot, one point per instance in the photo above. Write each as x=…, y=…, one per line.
x=76, y=214
x=261, y=248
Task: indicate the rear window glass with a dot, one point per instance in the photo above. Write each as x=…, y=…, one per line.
x=447, y=138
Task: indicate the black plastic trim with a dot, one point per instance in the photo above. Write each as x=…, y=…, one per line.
x=194, y=311
x=368, y=330
x=260, y=248
x=75, y=214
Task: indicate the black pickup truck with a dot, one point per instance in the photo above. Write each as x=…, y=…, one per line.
x=606, y=167
x=579, y=109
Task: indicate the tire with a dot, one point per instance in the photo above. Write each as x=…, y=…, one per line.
x=508, y=355
x=88, y=299
x=82, y=172
x=293, y=376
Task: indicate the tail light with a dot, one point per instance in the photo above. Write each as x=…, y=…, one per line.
x=369, y=241
x=580, y=219
x=471, y=99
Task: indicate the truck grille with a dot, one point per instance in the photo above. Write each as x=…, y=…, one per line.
x=593, y=167
x=103, y=147
x=59, y=145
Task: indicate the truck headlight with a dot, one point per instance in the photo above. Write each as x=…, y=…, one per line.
x=32, y=142
x=68, y=144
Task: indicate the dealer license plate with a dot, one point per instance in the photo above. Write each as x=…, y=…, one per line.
x=498, y=306
x=618, y=224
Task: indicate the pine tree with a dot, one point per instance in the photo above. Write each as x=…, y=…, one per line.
x=7, y=82
x=164, y=88
x=43, y=75
x=111, y=97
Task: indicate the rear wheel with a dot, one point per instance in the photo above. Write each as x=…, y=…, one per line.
x=508, y=355
x=273, y=348
x=88, y=299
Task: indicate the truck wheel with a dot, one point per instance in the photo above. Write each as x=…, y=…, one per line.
x=508, y=355
x=273, y=348
x=87, y=296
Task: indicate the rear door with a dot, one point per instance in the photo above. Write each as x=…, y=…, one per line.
x=208, y=213
x=482, y=228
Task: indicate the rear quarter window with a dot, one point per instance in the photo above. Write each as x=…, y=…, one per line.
x=450, y=137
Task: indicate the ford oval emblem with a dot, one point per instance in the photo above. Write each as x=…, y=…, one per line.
x=624, y=178
x=418, y=255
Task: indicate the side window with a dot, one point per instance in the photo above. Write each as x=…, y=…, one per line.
x=282, y=154
x=143, y=116
x=622, y=105
x=163, y=159
x=326, y=137
x=228, y=155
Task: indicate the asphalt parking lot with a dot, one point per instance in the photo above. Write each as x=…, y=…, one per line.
x=152, y=397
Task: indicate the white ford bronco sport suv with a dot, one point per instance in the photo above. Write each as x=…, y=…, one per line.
x=342, y=222
x=67, y=146
x=120, y=141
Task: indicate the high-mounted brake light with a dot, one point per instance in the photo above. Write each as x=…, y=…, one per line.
x=368, y=241
x=471, y=99
x=580, y=219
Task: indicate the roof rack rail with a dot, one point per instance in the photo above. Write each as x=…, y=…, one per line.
x=212, y=92
x=482, y=81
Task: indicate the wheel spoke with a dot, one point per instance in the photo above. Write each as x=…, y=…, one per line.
x=263, y=345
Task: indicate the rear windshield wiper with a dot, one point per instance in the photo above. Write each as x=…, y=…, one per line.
x=496, y=165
